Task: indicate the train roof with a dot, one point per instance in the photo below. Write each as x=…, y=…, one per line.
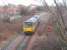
x=33, y=19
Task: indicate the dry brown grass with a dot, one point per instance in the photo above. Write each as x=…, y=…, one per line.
x=8, y=29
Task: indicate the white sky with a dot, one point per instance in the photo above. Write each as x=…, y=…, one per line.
x=25, y=2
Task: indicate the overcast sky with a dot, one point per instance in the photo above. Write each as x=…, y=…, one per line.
x=26, y=2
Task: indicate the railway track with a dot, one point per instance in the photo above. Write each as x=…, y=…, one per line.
x=23, y=44
x=19, y=43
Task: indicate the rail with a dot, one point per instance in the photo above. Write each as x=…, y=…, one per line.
x=23, y=44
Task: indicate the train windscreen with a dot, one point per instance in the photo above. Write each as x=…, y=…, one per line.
x=28, y=24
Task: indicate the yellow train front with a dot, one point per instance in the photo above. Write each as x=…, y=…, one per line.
x=30, y=25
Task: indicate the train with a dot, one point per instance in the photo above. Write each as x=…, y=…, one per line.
x=30, y=25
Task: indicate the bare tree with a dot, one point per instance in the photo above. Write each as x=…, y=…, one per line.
x=59, y=11
x=64, y=2
x=61, y=33
x=45, y=5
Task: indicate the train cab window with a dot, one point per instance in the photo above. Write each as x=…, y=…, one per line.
x=27, y=24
